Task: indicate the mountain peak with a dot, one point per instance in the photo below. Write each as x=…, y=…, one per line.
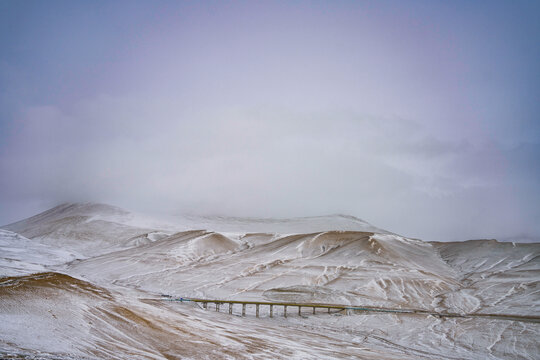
x=310, y=224
x=66, y=210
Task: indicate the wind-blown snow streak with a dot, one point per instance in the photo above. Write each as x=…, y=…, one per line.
x=110, y=264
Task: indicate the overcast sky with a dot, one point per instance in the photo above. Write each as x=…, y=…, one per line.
x=421, y=117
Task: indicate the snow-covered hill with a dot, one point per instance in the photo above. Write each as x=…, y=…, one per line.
x=104, y=264
x=20, y=255
x=300, y=225
x=85, y=230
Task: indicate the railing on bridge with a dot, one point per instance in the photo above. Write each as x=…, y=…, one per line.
x=313, y=306
x=348, y=309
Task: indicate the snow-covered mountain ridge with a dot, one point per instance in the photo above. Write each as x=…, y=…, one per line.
x=113, y=214
x=100, y=263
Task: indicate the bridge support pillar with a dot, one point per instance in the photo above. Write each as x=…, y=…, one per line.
x=271, y=310
x=243, y=309
x=230, y=308
x=314, y=310
x=257, y=310
x=329, y=310
x=217, y=307
x=284, y=310
x=299, y=310
x=205, y=305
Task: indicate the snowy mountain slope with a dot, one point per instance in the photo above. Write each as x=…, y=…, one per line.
x=329, y=267
x=69, y=209
x=495, y=277
x=114, y=262
x=55, y=316
x=84, y=229
x=301, y=225
x=20, y=256
x=91, y=229
x=94, y=211
x=81, y=320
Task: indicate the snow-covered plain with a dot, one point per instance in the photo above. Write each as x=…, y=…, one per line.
x=85, y=281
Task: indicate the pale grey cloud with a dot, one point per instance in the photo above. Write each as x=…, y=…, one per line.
x=263, y=162
x=388, y=112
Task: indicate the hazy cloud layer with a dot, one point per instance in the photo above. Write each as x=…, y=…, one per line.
x=421, y=119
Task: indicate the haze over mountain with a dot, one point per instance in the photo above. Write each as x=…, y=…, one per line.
x=373, y=165
x=420, y=117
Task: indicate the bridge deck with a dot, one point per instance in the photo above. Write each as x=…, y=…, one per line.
x=349, y=308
